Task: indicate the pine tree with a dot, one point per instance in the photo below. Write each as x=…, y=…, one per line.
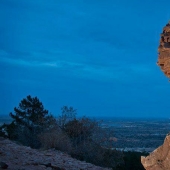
x=29, y=120
x=30, y=113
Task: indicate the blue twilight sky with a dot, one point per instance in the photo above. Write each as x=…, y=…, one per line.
x=98, y=56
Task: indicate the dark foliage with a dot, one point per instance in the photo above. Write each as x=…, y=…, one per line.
x=132, y=160
x=80, y=130
x=29, y=119
x=83, y=138
x=67, y=115
x=30, y=112
x=85, y=135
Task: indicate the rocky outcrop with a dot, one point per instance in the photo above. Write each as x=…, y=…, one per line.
x=164, y=51
x=159, y=159
x=17, y=157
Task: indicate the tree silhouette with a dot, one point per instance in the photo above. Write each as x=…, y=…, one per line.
x=29, y=120
x=67, y=114
x=30, y=113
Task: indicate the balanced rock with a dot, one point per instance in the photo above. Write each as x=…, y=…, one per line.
x=164, y=51
x=159, y=159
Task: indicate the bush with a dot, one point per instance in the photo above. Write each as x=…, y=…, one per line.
x=57, y=139
x=133, y=160
x=90, y=142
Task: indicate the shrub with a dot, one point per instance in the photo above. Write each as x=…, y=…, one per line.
x=133, y=160
x=57, y=139
x=90, y=142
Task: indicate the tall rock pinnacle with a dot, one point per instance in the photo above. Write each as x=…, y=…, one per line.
x=159, y=158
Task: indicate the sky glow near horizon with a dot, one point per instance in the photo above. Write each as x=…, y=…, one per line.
x=97, y=56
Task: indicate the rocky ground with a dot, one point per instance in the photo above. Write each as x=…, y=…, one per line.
x=17, y=157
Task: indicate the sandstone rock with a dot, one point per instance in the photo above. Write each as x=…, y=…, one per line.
x=164, y=51
x=159, y=159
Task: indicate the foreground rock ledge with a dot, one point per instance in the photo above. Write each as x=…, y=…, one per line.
x=159, y=159
x=17, y=157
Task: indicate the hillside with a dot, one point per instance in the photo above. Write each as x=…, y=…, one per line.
x=24, y=158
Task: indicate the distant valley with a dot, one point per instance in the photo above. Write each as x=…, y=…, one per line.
x=132, y=134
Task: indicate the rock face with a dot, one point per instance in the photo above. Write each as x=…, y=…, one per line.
x=17, y=157
x=164, y=51
x=159, y=159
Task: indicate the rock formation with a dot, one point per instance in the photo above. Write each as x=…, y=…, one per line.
x=13, y=156
x=159, y=159
x=164, y=51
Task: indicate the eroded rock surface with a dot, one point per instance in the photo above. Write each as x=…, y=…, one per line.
x=18, y=157
x=159, y=159
x=164, y=51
